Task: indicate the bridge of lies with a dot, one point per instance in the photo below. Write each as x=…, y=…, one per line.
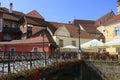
x=12, y=63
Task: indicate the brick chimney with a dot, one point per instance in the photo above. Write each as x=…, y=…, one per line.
x=11, y=8
x=118, y=6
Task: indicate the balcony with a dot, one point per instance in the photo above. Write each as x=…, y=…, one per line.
x=11, y=30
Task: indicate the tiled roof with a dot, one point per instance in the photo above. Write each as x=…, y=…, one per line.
x=88, y=25
x=41, y=31
x=73, y=30
x=26, y=41
x=10, y=17
x=35, y=14
x=36, y=21
x=104, y=19
x=36, y=29
x=115, y=18
x=53, y=26
x=38, y=39
x=5, y=10
x=15, y=15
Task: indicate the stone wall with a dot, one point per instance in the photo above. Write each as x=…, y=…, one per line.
x=107, y=70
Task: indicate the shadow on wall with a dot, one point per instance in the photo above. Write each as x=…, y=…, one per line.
x=90, y=72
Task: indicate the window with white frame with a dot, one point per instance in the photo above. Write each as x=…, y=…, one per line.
x=117, y=31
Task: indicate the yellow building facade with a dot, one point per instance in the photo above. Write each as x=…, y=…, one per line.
x=111, y=31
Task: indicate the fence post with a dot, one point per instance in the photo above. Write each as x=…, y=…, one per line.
x=30, y=59
x=3, y=58
x=9, y=69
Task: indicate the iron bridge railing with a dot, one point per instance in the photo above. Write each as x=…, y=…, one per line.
x=17, y=61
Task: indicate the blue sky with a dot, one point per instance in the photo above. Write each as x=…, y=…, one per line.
x=64, y=10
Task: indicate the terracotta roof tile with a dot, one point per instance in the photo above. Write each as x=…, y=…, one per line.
x=38, y=39
x=88, y=25
x=73, y=30
x=36, y=29
x=15, y=15
x=46, y=33
x=115, y=18
x=10, y=17
x=53, y=26
x=5, y=10
x=36, y=21
x=35, y=14
x=104, y=19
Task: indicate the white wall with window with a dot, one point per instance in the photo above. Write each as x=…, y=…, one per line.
x=63, y=38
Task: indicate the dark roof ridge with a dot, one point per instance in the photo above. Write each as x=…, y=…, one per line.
x=58, y=22
x=83, y=20
x=34, y=17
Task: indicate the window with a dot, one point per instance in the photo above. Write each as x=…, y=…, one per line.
x=6, y=25
x=74, y=43
x=117, y=31
x=0, y=49
x=118, y=51
x=12, y=50
x=29, y=31
x=35, y=51
x=61, y=43
x=7, y=37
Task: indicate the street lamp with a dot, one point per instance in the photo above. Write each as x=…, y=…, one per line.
x=79, y=55
x=43, y=51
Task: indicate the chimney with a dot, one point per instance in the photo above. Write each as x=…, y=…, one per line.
x=69, y=22
x=118, y=6
x=11, y=8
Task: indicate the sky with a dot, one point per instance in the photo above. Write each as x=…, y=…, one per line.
x=64, y=10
